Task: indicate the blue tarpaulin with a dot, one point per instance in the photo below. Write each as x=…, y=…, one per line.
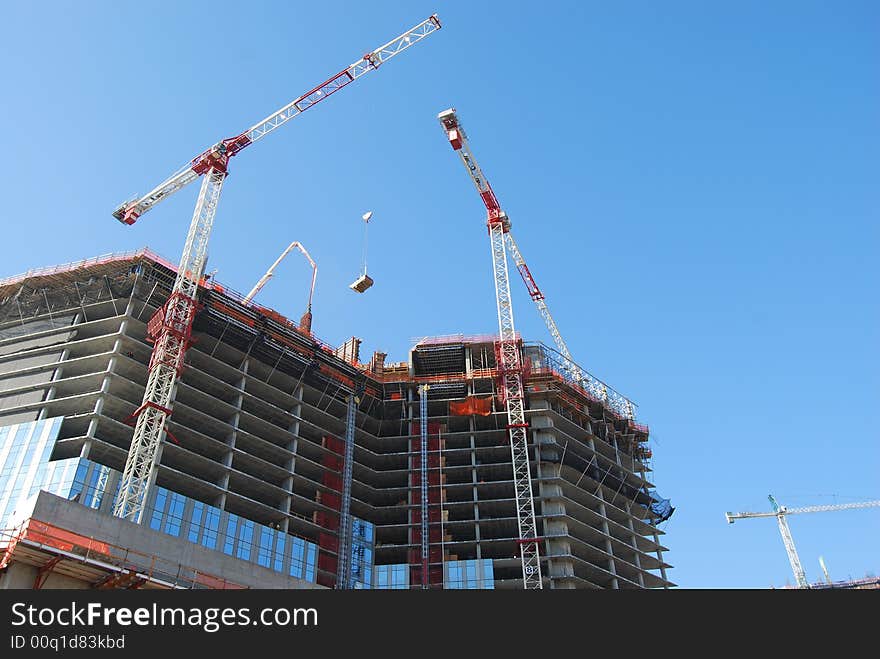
x=661, y=507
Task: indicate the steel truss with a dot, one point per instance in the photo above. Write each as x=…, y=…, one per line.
x=509, y=358
x=171, y=326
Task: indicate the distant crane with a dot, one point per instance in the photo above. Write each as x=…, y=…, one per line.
x=171, y=327
x=824, y=570
x=780, y=512
x=305, y=322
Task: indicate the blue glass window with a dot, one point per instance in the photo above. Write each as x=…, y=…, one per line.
x=79, y=479
x=229, y=541
x=196, y=521
x=212, y=528
x=158, y=509
x=298, y=558
x=279, y=552
x=488, y=574
x=470, y=574
x=174, y=518
x=399, y=576
x=245, y=536
x=264, y=557
x=311, y=555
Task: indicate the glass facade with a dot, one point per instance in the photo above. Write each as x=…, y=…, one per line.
x=196, y=521
x=25, y=469
x=361, y=553
x=476, y=574
x=391, y=577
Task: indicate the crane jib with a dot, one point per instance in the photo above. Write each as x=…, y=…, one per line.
x=217, y=157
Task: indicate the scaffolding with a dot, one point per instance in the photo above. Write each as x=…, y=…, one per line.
x=453, y=441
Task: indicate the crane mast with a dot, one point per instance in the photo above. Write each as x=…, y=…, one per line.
x=458, y=140
x=508, y=356
x=171, y=327
x=797, y=569
x=781, y=512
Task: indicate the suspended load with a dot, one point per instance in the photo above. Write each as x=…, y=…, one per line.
x=363, y=282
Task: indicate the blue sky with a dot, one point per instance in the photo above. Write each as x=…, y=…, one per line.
x=693, y=185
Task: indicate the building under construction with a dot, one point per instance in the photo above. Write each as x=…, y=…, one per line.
x=251, y=487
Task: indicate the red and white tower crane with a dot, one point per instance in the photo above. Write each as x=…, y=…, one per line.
x=171, y=326
x=595, y=387
x=509, y=359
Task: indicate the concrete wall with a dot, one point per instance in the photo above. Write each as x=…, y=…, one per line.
x=122, y=533
x=20, y=576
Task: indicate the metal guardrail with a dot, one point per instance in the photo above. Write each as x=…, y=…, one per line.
x=145, y=252
x=89, y=550
x=590, y=386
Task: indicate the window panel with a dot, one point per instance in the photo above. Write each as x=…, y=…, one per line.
x=229, y=541
x=195, y=523
x=245, y=535
x=311, y=554
x=267, y=539
x=279, y=552
x=158, y=509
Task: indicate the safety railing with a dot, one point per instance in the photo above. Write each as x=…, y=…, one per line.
x=90, y=550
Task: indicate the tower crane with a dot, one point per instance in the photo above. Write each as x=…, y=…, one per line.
x=509, y=359
x=171, y=326
x=824, y=570
x=306, y=321
x=781, y=512
x=596, y=388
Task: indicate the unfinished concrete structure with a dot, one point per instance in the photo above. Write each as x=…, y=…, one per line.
x=253, y=462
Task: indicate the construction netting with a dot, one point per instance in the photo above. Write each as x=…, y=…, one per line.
x=480, y=405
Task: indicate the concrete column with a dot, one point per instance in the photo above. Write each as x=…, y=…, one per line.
x=608, y=548
x=602, y=511
x=660, y=558
x=223, y=482
x=614, y=443
x=635, y=546
x=108, y=501
x=657, y=540
x=559, y=569
x=99, y=404
x=291, y=463
x=58, y=373
x=474, y=487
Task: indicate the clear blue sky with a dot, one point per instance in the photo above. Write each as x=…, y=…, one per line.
x=694, y=185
